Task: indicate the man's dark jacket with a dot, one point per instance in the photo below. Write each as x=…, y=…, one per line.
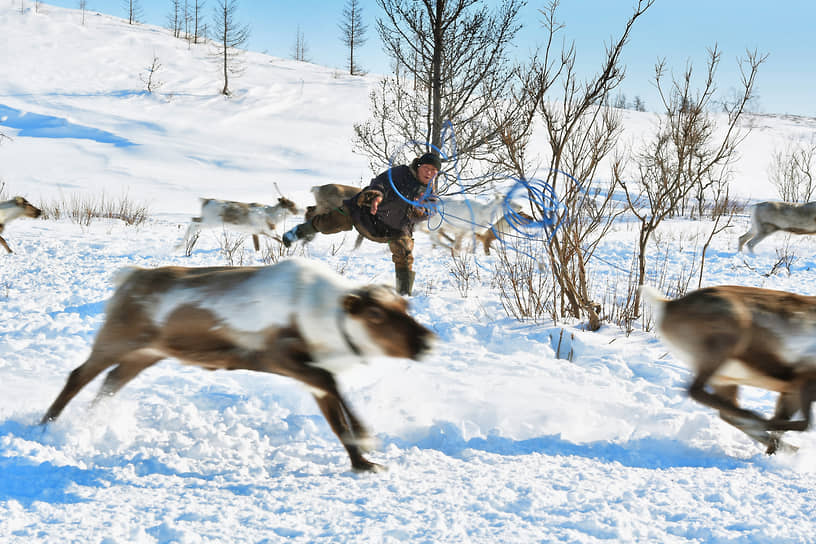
x=395, y=217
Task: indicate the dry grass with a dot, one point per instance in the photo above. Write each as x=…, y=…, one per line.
x=83, y=209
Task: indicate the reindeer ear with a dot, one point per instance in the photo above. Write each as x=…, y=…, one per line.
x=352, y=304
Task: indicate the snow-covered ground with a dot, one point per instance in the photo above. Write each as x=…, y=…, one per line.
x=492, y=438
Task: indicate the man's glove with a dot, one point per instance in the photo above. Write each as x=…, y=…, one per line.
x=418, y=212
x=366, y=198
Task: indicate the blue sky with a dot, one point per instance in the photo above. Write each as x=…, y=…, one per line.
x=679, y=31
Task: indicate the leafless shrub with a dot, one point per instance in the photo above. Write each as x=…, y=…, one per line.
x=663, y=272
x=785, y=260
x=581, y=130
x=231, y=247
x=618, y=297
x=83, y=209
x=464, y=272
x=525, y=287
x=335, y=248
x=190, y=242
x=273, y=251
x=150, y=77
x=687, y=153
x=792, y=171
x=3, y=193
x=723, y=212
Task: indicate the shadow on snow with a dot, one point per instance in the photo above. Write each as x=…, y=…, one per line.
x=35, y=125
x=649, y=453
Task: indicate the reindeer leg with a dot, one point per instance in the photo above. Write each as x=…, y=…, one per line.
x=256, y=242
x=762, y=232
x=722, y=399
x=341, y=422
x=292, y=358
x=805, y=397
x=348, y=428
x=770, y=440
x=5, y=245
x=127, y=369
x=79, y=378
x=786, y=406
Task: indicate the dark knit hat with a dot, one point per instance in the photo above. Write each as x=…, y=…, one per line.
x=430, y=158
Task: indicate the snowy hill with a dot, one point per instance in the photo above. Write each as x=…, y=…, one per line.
x=508, y=432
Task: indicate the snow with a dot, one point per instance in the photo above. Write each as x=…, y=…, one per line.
x=491, y=438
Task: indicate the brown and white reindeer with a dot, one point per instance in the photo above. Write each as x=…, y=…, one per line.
x=501, y=229
x=328, y=197
x=769, y=217
x=459, y=218
x=12, y=209
x=733, y=336
x=296, y=318
x=252, y=218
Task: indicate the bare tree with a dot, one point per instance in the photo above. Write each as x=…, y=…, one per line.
x=228, y=37
x=151, y=80
x=723, y=212
x=174, y=18
x=187, y=19
x=687, y=152
x=83, y=5
x=199, y=29
x=353, y=33
x=792, y=171
x=134, y=11
x=300, y=49
x=456, y=53
x=580, y=131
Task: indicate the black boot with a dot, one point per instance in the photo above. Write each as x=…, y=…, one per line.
x=304, y=231
x=405, y=280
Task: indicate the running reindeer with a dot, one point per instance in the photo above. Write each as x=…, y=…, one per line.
x=735, y=336
x=12, y=209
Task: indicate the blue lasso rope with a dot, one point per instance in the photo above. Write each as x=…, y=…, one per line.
x=540, y=195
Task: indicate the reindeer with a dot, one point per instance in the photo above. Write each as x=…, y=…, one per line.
x=459, y=218
x=328, y=197
x=296, y=318
x=251, y=217
x=769, y=217
x=12, y=209
x=734, y=336
x=500, y=229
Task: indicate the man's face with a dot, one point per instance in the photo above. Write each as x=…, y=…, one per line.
x=426, y=173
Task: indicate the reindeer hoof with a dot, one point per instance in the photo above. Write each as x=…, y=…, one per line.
x=777, y=445
x=364, y=441
x=364, y=465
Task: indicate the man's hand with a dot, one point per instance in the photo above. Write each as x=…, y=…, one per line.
x=375, y=204
x=419, y=212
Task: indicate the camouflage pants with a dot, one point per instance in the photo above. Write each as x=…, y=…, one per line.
x=339, y=220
